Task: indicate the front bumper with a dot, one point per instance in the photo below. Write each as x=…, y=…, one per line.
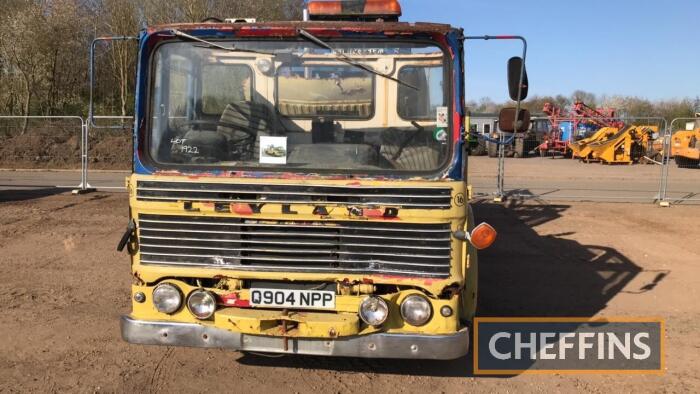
x=380, y=345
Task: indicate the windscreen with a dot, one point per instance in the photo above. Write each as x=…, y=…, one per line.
x=295, y=106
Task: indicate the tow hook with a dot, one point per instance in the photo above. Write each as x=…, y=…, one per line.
x=130, y=228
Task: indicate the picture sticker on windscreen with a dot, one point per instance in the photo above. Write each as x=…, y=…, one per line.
x=273, y=150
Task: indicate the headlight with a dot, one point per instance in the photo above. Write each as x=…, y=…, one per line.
x=167, y=298
x=416, y=310
x=374, y=310
x=201, y=304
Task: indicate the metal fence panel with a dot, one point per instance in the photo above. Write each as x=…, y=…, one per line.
x=43, y=142
x=617, y=164
x=663, y=166
x=681, y=177
x=110, y=151
x=110, y=144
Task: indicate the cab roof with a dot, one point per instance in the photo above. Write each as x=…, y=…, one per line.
x=290, y=27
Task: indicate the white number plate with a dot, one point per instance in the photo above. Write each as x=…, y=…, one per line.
x=287, y=298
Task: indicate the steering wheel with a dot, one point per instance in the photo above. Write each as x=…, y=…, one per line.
x=213, y=125
x=235, y=144
x=410, y=137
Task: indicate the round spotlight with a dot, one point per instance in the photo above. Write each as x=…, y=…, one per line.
x=202, y=304
x=416, y=310
x=264, y=65
x=167, y=298
x=374, y=310
x=446, y=311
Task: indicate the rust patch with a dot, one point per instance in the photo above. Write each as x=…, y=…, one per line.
x=139, y=281
x=320, y=28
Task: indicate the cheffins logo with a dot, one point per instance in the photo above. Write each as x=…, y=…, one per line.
x=505, y=346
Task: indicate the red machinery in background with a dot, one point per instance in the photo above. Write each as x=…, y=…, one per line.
x=602, y=117
x=556, y=142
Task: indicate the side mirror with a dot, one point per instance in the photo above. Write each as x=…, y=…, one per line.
x=507, y=123
x=515, y=66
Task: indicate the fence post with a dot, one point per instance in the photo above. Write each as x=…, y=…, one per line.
x=665, y=161
x=501, y=171
x=84, y=186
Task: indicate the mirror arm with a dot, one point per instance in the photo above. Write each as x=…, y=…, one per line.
x=91, y=72
x=522, y=67
x=520, y=85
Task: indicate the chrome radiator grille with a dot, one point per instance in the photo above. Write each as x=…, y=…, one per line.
x=329, y=246
x=404, y=197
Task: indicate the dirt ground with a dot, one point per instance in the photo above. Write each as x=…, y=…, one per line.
x=64, y=287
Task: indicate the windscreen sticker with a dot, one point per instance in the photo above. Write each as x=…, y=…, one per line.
x=273, y=150
x=441, y=117
x=440, y=135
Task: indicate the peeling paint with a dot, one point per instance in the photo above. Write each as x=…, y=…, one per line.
x=233, y=299
x=241, y=209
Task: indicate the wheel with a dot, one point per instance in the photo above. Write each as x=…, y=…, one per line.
x=480, y=149
x=493, y=149
x=637, y=153
x=684, y=162
x=519, y=148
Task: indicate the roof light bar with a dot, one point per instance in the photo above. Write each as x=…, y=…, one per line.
x=388, y=10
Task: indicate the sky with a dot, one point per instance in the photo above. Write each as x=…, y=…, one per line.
x=643, y=48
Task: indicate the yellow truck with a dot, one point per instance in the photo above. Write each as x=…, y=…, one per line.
x=300, y=187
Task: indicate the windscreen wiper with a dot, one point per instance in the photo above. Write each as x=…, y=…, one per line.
x=345, y=59
x=209, y=44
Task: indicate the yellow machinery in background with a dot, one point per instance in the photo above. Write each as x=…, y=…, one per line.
x=581, y=149
x=685, y=146
x=612, y=145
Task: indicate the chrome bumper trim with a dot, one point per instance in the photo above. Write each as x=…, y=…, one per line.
x=381, y=345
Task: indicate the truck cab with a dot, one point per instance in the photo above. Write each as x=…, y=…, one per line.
x=300, y=187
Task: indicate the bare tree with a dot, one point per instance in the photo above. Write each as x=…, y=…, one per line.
x=18, y=34
x=589, y=98
x=44, y=45
x=121, y=19
x=161, y=11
